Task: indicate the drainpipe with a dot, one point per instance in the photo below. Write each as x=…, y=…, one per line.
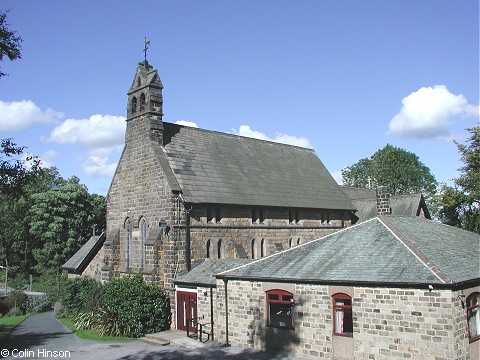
x=211, y=312
x=188, y=259
x=225, y=281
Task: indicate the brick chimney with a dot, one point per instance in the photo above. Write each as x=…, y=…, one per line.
x=383, y=201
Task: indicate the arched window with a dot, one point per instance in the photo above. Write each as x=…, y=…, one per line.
x=253, y=247
x=142, y=102
x=291, y=243
x=143, y=235
x=473, y=316
x=134, y=104
x=263, y=248
x=220, y=249
x=280, y=309
x=128, y=228
x=139, y=82
x=342, y=315
x=208, y=248
x=299, y=241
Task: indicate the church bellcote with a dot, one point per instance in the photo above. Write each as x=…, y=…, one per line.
x=145, y=101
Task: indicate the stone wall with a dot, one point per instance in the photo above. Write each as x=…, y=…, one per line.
x=389, y=323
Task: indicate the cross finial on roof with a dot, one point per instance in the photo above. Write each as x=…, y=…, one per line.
x=146, y=42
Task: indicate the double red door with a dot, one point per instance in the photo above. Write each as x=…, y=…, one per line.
x=186, y=310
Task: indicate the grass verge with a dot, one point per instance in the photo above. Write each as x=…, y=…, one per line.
x=7, y=324
x=88, y=334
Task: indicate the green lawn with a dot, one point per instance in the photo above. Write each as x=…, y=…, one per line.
x=7, y=324
x=88, y=334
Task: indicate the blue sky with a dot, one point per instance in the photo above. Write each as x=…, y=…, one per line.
x=342, y=77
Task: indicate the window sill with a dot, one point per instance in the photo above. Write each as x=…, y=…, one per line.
x=473, y=339
x=343, y=335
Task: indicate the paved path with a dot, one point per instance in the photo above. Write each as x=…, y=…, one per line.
x=41, y=336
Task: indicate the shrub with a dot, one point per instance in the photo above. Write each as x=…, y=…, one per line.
x=133, y=307
x=16, y=299
x=37, y=304
x=79, y=295
x=14, y=311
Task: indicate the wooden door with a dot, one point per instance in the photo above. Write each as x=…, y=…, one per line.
x=186, y=310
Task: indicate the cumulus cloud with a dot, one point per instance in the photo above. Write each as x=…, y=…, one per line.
x=186, y=123
x=19, y=115
x=102, y=135
x=246, y=131
x=97, y=131
x=428, y=113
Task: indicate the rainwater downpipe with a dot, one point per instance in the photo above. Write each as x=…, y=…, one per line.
x=188, y=259
x=225, y=281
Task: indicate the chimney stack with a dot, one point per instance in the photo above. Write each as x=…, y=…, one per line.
x=383, y=201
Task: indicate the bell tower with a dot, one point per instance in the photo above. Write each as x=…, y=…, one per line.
x=145, y=102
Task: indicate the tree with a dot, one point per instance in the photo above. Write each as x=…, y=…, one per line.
x=401, y=171
x=459, y=205
x=9, y=43
x=60, y=221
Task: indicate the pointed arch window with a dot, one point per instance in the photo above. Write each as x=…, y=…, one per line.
x=263, y=248
x=142, y=102
x=139, y=82
x=134, y=105
x=220, y=249
x=129, y=239
x=208, y=248
x=253, y=247
x=144, y=235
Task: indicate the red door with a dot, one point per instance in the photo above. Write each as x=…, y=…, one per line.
x=186, y=310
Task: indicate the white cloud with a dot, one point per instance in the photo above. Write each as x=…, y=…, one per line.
x=48, y=157
x=97, y=131
x=19, y=115
x=186, y=123
x=428, y=113
x=102, y=135
x=246, y=131
x=99, y=166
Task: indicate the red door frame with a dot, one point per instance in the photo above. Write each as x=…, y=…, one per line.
x=186, y=310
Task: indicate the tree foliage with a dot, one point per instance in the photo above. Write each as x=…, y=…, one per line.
x=401, y=171
x=44, y=218
x=10, y=44
x=459, y=205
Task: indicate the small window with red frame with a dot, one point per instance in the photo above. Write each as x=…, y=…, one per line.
x=473, y=316
x=342, y=315
x=280, y=309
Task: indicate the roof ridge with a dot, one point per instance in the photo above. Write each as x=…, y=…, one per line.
x=240, y=136
x=430, y=265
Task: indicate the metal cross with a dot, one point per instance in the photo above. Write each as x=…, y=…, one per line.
x=146, y=42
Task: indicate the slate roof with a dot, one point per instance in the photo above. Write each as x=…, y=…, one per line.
x=365, y=201
x=80, y=260
x=220, y=168
x=203, y=272
x=397, y=250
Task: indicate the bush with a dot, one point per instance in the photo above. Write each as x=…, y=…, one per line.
x=79, y=295
x=16, y=300
x=37, y=304
x=14, y=311
x=129, y=307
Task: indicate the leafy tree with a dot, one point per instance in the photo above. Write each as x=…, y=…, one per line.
x=60, y=222
x=9, y=43
x=401, y=171
x=459, y=205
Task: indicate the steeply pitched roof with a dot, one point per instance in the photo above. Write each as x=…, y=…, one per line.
x=365, y=201
x=203, y=273
x=386, y=250
x=213, y=167
x=79, y=261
